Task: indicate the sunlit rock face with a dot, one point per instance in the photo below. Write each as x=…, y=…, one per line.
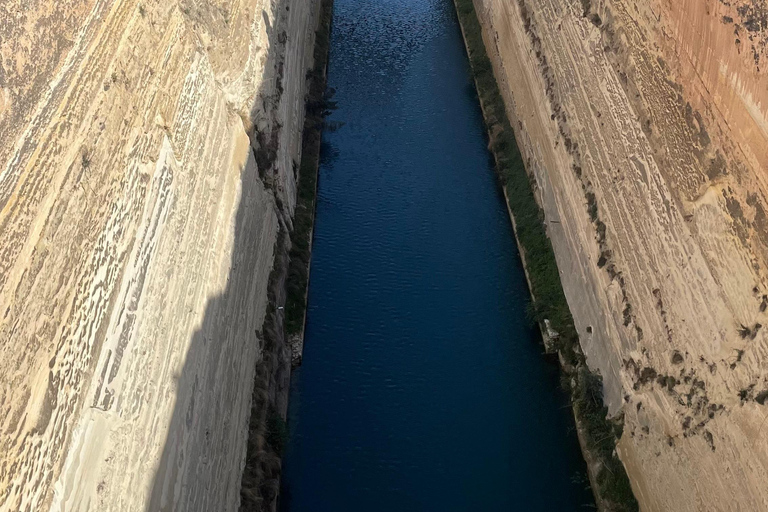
x=146, y=166
x=645, y=125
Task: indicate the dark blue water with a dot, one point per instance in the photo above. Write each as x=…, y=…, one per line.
x=423, y=387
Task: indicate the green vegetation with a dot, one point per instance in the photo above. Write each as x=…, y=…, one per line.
x=600, y=435
x=547, y=297
x=267, y=432
x=317, y=108
x=276, y=435
x=547, y=292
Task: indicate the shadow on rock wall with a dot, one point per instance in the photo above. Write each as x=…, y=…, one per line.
x=210, y=415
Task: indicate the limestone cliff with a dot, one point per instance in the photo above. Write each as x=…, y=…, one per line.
x=147, y=163
x=645, y=126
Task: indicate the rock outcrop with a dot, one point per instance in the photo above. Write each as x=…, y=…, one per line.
x=645, y=127
x=148, y=155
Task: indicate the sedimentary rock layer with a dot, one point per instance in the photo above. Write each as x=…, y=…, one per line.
x=645, y=126
x=147, y=162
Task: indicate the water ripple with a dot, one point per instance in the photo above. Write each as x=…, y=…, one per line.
x=422, y=387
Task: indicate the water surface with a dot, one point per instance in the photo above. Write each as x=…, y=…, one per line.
x=423, y=387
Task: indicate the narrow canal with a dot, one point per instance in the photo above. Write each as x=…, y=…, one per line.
x=423, y=387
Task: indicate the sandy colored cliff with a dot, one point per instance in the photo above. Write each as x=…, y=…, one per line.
x=147, y=163
x=645, y=126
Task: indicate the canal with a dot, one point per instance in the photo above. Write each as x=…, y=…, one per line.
x=423, y=387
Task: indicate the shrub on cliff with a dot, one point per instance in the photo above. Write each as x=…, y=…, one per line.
x=602, y=435
x=276, y=435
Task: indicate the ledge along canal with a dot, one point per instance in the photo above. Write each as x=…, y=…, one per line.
x=423, y=387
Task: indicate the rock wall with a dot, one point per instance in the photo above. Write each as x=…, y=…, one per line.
x=147, y=163
x=643, y=124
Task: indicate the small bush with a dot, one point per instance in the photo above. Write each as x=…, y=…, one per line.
x=276, y=435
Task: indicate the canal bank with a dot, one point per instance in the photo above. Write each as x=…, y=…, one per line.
x=597, y=434
x=318, y=106
x=422, y=386
x=281, y=334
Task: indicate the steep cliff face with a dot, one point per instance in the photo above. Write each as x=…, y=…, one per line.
x=147, y=164
x=644, y=126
